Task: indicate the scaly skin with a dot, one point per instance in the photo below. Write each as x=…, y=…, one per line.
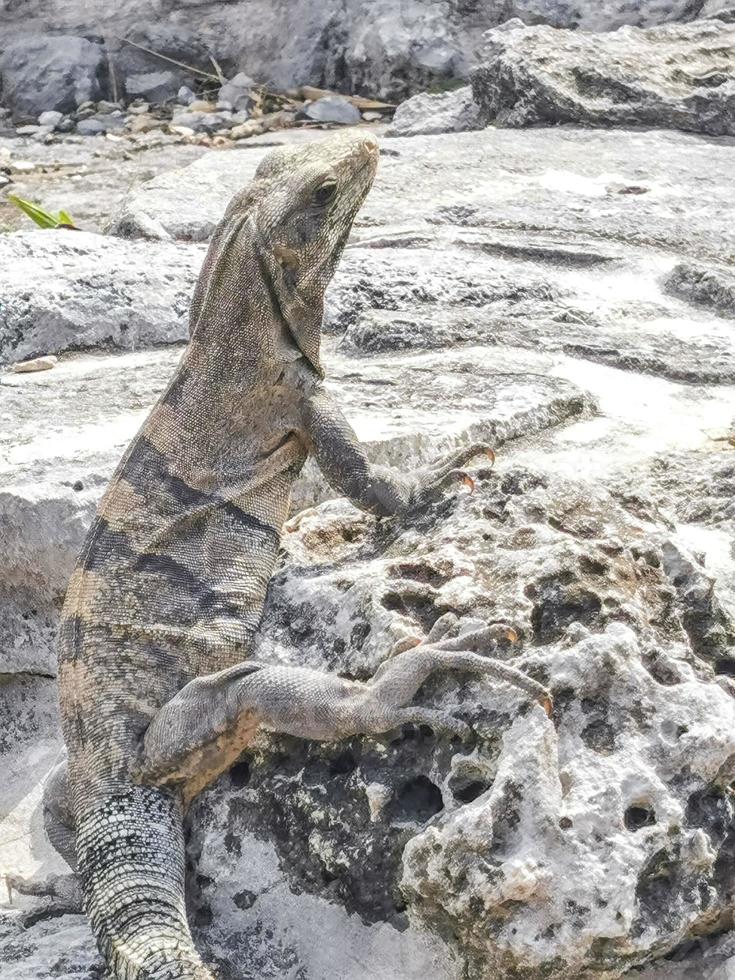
x=157, y=695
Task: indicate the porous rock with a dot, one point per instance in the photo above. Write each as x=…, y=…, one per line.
x=679, y=76
x=70, y=426
x=582, y=845
x=603, y=837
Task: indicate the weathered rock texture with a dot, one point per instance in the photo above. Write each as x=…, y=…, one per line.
x=678, y=76
x=39, y=72
x=446, y=112
x=542, y=841
x=378, y=47
x=72, y=291
x=555, y=292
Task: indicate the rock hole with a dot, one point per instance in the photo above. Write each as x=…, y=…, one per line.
x=638, y=816
x=592, y=566
x=726, y=666
x=244, y=899
x=240, y=774
x=467, y=790
x=343, y=765
x=417, y=800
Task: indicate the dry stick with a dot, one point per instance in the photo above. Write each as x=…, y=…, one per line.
x=111, y=67
x=198, y=71
x=172, y=61
x=222, y=79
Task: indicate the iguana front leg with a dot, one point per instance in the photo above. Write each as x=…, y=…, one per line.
x=201, y=731
x=378, y=489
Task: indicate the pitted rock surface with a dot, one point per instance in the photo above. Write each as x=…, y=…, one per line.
x=558, y=293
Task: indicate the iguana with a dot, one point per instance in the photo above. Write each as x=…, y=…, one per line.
x=157, y=695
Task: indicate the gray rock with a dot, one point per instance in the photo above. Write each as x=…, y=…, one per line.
x=138, y=108
x=40, y=72
x=722, y=9
x=677, y=76
x=527, y=191
x=710, y=286
x=70, y=426
x=142, y=63
x=42, y=133
x=30, y=130
x=154, y=86
x=50, y=118
x=98, y=125
x=352, y=45
x=104, y=107
x=238, y=91
x=202, y=122
x=332, y=108
x=185, y=96
x=70, y=291
x=448, y=112
x=502, y=818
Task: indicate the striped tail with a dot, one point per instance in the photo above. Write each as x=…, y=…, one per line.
x=131, y=860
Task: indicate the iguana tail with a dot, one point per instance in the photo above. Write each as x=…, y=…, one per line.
x=131, y=859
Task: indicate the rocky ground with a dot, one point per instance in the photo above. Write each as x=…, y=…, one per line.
x=566, y=295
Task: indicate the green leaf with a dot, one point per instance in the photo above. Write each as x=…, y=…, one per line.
x=43, y=219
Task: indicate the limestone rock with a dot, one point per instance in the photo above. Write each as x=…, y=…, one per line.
x=74, y=290
x=448, y=112
x=555, y=182
x=50, y=118
x=376, y=47
x=45, y=363
x=676, y=76
x=520, y=286
x=713, y=287
x=583, y=845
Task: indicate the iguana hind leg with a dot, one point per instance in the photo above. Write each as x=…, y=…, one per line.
x=201, y=732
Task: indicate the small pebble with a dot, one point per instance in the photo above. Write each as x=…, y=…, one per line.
x=44, y=363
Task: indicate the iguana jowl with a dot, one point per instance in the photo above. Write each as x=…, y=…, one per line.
x=157, y=695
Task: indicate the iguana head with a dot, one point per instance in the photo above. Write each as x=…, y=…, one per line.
x=303, y=222
x=273, y=254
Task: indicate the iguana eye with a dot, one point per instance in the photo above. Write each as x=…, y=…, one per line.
x=325, y=193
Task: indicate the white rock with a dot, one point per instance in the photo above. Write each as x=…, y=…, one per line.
x=36, y=364
x=448, y=112
x=50, y=118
